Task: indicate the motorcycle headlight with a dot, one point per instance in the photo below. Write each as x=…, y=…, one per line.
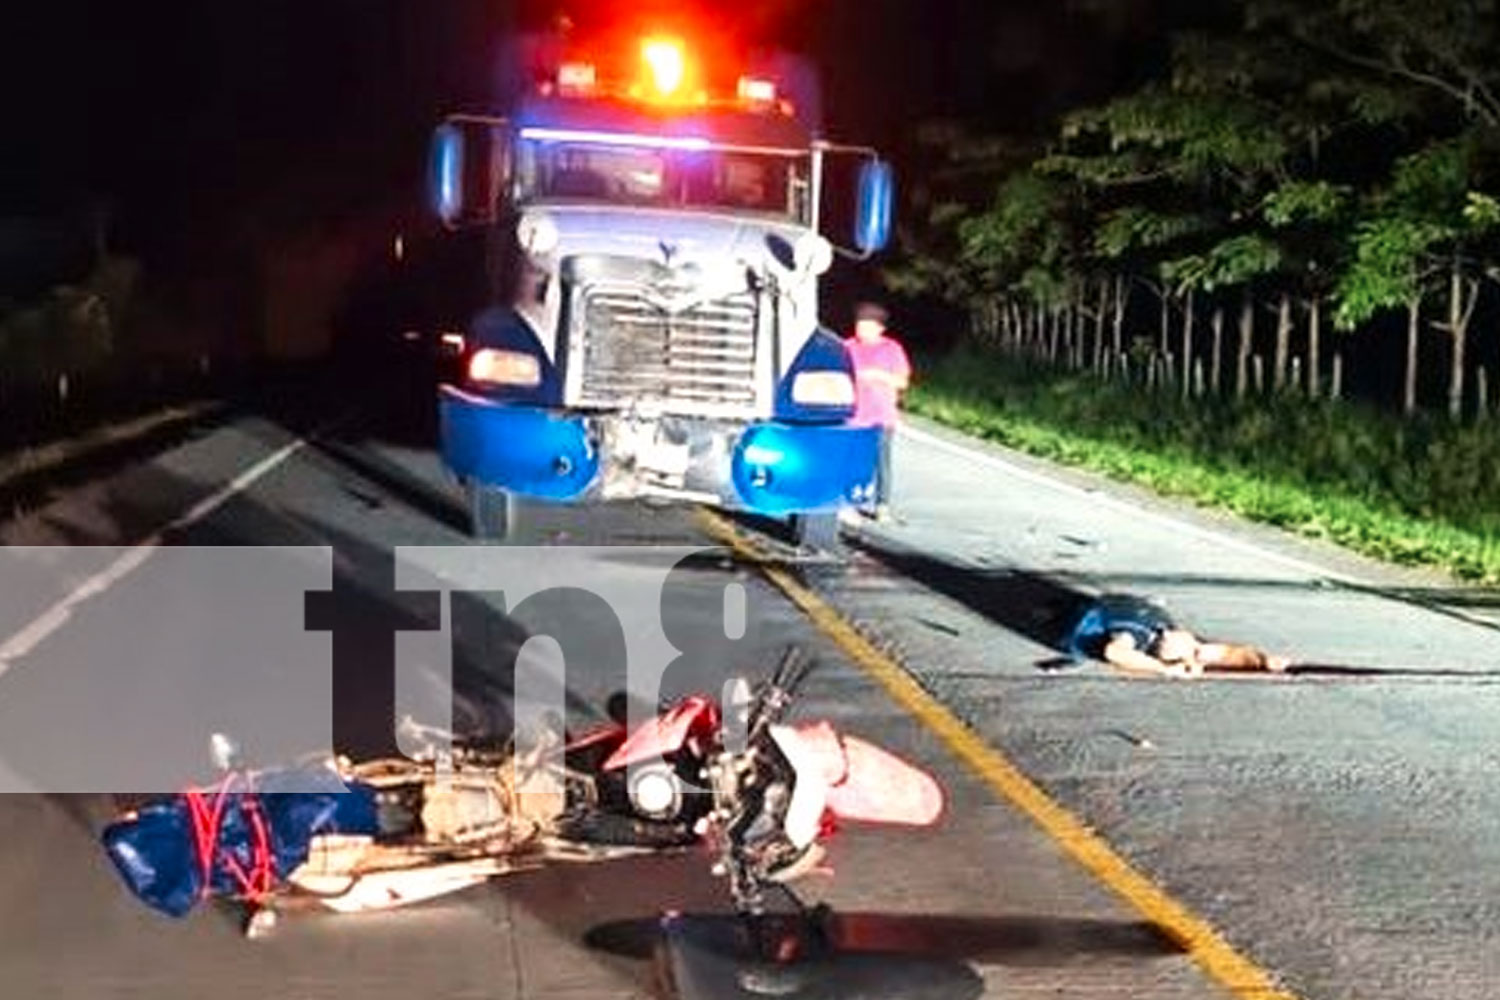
x=655, y=793
x=823, y=388
x=492, y=366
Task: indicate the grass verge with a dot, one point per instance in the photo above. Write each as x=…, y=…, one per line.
x=1414, y=493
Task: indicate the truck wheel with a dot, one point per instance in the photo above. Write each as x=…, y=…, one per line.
x=492, y=513
x=816, y=531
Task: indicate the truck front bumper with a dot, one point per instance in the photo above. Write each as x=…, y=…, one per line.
x=765, y=466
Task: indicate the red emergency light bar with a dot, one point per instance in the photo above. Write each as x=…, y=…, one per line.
x=666, y=77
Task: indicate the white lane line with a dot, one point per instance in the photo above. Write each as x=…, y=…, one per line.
x=55, y=617
x=1134, y=510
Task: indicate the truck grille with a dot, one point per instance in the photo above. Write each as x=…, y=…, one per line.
x=703, y=357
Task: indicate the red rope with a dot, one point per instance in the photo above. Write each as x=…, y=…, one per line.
x=208, y=821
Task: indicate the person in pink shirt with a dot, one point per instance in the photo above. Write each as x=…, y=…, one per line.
x=882, y=373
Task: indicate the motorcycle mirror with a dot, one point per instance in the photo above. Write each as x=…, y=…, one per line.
x=224, y=752
x=740, y=700
x=739, y=707
x=739, y=696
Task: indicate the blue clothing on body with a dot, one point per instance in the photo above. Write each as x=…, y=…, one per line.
x=1113, y=614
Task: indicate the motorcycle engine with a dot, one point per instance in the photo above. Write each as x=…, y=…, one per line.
x=458, y=808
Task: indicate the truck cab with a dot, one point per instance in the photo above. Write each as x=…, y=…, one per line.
x=655, y=255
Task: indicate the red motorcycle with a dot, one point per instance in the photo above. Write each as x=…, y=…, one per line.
x=770, y=793
x=764, y=794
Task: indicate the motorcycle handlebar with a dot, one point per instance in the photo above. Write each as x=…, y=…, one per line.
x=776, y=694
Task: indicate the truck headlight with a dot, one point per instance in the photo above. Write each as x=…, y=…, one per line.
x=813, y=253
x=496, y=367
x=823, y=388
x=537, y=234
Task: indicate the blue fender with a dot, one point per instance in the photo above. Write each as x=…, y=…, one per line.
x=523, y=449
x=798, y=469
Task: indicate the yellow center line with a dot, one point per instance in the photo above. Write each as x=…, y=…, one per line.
x=1237, y=973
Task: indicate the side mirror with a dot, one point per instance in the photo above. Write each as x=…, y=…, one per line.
x=872, y=214
x=469, y=170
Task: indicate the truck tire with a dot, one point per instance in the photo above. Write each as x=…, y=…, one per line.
x=492, y=513
x=816, y=531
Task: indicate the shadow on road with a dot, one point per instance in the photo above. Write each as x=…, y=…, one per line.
x=1032, y=605
x=428, y=499
x=1041, y=608
x=1011, y=940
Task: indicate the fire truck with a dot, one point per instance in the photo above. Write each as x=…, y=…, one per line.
x=653, y=218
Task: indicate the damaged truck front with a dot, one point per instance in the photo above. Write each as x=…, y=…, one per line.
x=655, y=253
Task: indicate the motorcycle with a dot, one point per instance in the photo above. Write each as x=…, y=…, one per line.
x=763, y=795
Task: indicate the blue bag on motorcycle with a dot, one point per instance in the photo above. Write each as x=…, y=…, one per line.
x=155, y=851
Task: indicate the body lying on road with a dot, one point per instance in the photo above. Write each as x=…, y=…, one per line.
x=1135, y=635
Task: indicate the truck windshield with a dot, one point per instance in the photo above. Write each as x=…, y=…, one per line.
x=633, y=175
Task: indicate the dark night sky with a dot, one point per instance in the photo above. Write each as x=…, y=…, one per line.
x=194, y=115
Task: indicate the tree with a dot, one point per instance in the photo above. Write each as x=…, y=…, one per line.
x=1313, y=220
x=1443, y=50
x=1420, y=227
x=1322, y=154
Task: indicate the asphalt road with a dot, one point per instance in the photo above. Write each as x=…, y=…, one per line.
x=1336, y=828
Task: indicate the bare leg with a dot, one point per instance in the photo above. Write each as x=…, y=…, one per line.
x=1227, y=656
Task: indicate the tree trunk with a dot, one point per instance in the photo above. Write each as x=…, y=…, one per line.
x=1314, y=347
x=1100, y=324
x=1054, y=333
x=1247, y=339
x=1121, y=298
x=1217, y=358
x=1080, y=333
x=1166, y=323
x=1458, y=329
x=1413, y=335
x=1283, y=342
x=1187, y=345
x=1075, y=334
x=1455, y=331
